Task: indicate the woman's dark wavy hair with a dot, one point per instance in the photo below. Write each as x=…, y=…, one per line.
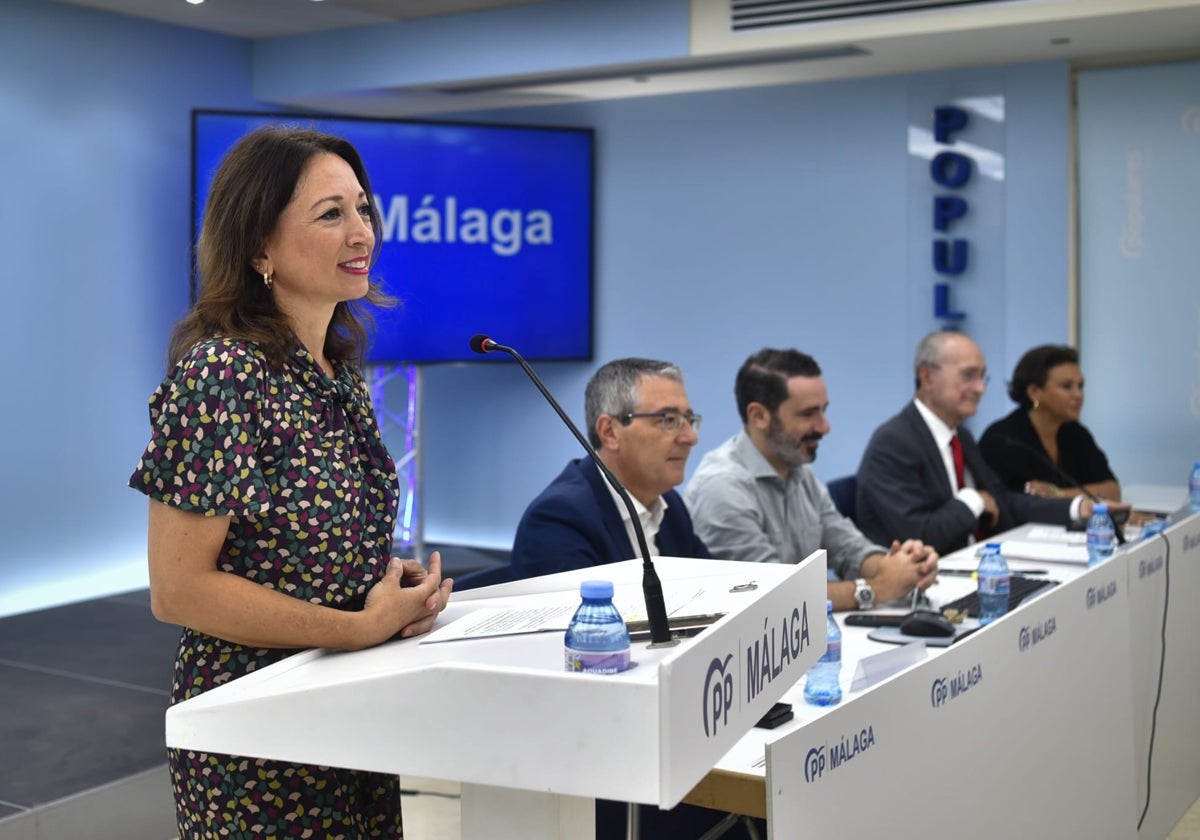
x=1034, y=368
x=254, y=183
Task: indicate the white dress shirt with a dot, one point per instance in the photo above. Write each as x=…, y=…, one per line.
x=942, y=433
x=651, y=519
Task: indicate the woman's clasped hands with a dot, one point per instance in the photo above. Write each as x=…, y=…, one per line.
x=407, y=600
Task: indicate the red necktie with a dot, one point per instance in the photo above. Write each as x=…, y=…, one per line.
x=956, y=452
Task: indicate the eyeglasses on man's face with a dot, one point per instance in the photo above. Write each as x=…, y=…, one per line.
x=969, y=375
x=669, y=421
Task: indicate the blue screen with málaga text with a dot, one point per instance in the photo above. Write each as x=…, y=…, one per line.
x=486, y=229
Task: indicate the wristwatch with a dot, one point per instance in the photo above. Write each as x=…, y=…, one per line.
x=864, y=594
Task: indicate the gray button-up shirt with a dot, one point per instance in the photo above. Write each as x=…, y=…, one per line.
x=744, y=510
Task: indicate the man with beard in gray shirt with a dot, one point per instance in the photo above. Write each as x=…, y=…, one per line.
x=754, y=498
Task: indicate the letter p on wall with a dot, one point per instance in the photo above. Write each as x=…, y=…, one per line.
x=948, y=120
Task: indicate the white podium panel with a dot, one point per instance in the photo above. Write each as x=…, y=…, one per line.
x=1164, y=578
x=501, y=712
x=1005, y=734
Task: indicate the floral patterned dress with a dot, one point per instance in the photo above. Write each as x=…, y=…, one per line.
x=297, y=461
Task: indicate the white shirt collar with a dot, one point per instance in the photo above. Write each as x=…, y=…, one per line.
x=651, y=519
x=941, y=432
x=941, y=436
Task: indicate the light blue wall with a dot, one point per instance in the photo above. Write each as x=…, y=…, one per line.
x=1140, y=312
x=94, y=135
x=726, y=221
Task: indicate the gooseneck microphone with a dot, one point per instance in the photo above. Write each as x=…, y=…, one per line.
x=656, y=606
x=1066, y=477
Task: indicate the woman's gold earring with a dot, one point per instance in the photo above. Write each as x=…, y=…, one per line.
x=1036, y=404
x=268, y=280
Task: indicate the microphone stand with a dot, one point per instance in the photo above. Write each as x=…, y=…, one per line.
x=1061, y=473
x=656, y=605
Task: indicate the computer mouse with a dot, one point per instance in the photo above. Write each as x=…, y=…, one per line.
x=926, y=623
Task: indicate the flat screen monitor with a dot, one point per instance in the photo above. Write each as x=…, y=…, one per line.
x=486, y=229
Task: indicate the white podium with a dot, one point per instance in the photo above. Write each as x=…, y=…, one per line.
x=532, y=745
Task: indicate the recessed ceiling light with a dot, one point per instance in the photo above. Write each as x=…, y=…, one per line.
x=195, y=2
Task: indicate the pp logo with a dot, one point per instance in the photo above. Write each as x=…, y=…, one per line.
x=718, y=695
x=814, y=764
x=938, y=692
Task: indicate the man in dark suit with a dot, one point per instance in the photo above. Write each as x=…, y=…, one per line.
x=922, y=475
x=641, y=424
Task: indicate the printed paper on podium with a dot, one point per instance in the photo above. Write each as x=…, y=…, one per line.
x=551, y=612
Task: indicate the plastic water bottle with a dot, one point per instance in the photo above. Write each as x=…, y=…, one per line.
x=1100, y=537
x=597, y=640
x=821, y=686
x=1194, y=488
x=1153, y=528
x=994, y=584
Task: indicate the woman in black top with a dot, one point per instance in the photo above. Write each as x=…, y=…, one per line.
x=1041, y=448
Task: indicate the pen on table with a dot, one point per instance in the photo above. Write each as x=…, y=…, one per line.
x=969, y=572
x=920, y=601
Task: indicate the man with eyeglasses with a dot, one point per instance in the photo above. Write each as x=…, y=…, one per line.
x=642, y=426
x=922, y=473
x=755, y=498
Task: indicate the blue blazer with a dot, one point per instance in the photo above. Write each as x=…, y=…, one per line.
x=574, y=523
x=904, y=492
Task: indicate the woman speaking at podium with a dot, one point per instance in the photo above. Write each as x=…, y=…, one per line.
x=272, y=497
x=1041, y=448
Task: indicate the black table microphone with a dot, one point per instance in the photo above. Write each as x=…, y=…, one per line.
x=1061, y=473
x=656, y=606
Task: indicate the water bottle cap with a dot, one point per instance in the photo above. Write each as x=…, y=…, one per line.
x=1100, y=508
x=992, y=547
x=829, y=608
x=596, y=589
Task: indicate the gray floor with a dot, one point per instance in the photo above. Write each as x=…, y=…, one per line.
x=84, y=687
x=89, y=683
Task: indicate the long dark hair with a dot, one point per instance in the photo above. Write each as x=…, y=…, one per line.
x=252, y=186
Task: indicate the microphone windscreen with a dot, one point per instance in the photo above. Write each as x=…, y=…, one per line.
x=480, y=342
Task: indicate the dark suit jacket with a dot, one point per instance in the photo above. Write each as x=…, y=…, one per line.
x=904, y=492
x=574, y=524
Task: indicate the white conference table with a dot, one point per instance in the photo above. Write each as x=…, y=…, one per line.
x=1038, y=725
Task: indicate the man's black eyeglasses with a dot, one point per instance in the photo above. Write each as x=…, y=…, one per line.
x=670, y=422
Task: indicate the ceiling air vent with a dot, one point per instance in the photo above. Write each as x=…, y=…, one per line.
x=747, y=15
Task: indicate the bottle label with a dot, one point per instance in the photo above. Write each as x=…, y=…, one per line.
x=993, y=585
x=833, y=653
x=596, y=662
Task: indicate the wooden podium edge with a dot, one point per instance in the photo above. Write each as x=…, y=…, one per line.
x=726, y=790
